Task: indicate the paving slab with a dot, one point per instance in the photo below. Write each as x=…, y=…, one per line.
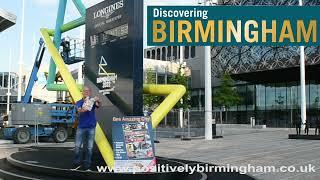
x=268, y=147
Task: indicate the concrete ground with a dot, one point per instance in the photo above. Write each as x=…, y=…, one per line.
x=7, y=147
x=238, y=147
x=258, y=148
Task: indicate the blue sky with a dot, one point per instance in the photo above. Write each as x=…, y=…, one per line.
x=42, y=13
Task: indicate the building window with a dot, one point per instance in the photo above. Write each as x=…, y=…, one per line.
x=271, y=96
x=281, y=96
x=186, y=52
x=260, y=97
x=13, y=81
x=153, y=56
x=169, y=53
x=161, y=79
x=242, y=92
x=163, y=53
x=5, y=81
x=193, y=51
x=175, y=52
x=2, y=79
x=158, y=53
x=250, y=98
x=148, y=54
x=314, y=95
x=292, y=91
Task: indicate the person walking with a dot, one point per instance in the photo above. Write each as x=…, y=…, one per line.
x=86, y=129
x=297, y=124
x=307, y=126
x=317, y=131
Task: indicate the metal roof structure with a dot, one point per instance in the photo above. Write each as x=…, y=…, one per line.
x=6, y=20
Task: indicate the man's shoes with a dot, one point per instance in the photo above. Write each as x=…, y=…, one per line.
x=76, y=167
x=86, y=168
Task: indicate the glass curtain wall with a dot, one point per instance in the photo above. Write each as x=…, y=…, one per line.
x=274, y=104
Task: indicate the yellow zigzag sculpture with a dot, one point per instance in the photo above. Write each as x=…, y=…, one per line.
x=173, y=92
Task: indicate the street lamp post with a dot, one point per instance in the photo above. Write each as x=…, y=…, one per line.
x=21, y=53
x=207, y=86
x=208, y=93
x=302, y=83
x=181, y=59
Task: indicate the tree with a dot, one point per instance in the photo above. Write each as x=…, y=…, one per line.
x=182, y=79
x=150, y=102
x=226, y=95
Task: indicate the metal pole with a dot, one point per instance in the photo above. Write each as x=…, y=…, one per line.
x=208, y=94
x=303, y=87
x=9, y=83
x=208, y=86
x=221, y=121
x=57, y=39
x=291, y=105
x=35, y=130
x=37, y=133
x=80, y=79
x=182, y=53
x=21, y=54
x=189, y=135
x=302, y=83
x=82, y=37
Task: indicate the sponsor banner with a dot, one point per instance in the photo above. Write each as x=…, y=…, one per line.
x=133, y=144
x=114, y=58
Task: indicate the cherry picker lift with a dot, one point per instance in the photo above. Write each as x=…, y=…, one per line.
x=32, y=120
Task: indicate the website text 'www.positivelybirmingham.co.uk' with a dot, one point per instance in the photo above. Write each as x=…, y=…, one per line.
x=207, y=168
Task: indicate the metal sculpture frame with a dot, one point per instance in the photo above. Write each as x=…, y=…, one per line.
x=173, y=92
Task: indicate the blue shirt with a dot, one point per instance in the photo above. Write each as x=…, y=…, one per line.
x=87, y=119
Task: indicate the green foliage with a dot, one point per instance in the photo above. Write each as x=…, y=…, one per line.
x=226, y=94
x=182, y=79
x=150, y=102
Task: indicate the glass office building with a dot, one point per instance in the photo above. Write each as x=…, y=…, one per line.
x=272, y=104
x=266, y=78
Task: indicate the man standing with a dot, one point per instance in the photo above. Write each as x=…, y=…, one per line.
x=86, y=128
x=65, y=49
x=307, y=126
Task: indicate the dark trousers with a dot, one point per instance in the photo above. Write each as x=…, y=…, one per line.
x=84, y=137
x=306, y=130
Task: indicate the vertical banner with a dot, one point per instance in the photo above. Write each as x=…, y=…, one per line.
x=133, y=144
x=114, y=58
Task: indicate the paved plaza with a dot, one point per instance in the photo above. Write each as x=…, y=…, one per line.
x=259, y=148
x=239, y=147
